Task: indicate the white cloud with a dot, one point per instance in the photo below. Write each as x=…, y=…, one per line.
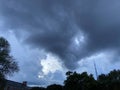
x=50, y=64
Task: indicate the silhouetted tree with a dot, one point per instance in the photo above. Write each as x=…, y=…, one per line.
x=2, y=82
x=54, y=87
x=69, y=73
x=7, y=63
x=83, y=81
x=38, y=88
x=102, y=82
x=110, y=81
x=114, y=80
x=77, y=81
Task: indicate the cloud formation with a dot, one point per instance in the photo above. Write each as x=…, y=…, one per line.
x=69, y=29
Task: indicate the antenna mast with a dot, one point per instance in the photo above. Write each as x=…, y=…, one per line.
x=95, y=70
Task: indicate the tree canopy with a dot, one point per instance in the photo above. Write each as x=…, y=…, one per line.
x=8, y=65
x=85, y=81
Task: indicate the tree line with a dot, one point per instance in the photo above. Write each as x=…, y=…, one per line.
x=84, y=81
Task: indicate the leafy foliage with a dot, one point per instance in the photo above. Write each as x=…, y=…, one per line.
x=38, y=88
x=2, y=82
x=54, y=87
x=7, y=63
x=83, y=81
x=77, y=81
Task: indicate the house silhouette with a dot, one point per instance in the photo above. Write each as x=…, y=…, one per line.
x=12, y=85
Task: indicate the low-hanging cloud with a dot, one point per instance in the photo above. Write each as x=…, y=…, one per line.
x=57, y=26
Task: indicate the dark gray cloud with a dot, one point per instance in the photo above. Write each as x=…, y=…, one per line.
x=53, y=25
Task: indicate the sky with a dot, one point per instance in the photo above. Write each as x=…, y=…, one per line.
x=50, y=37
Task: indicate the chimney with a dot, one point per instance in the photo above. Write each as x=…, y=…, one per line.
x=24, y=83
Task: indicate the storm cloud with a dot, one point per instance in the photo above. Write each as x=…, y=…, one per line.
x=69, y=29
